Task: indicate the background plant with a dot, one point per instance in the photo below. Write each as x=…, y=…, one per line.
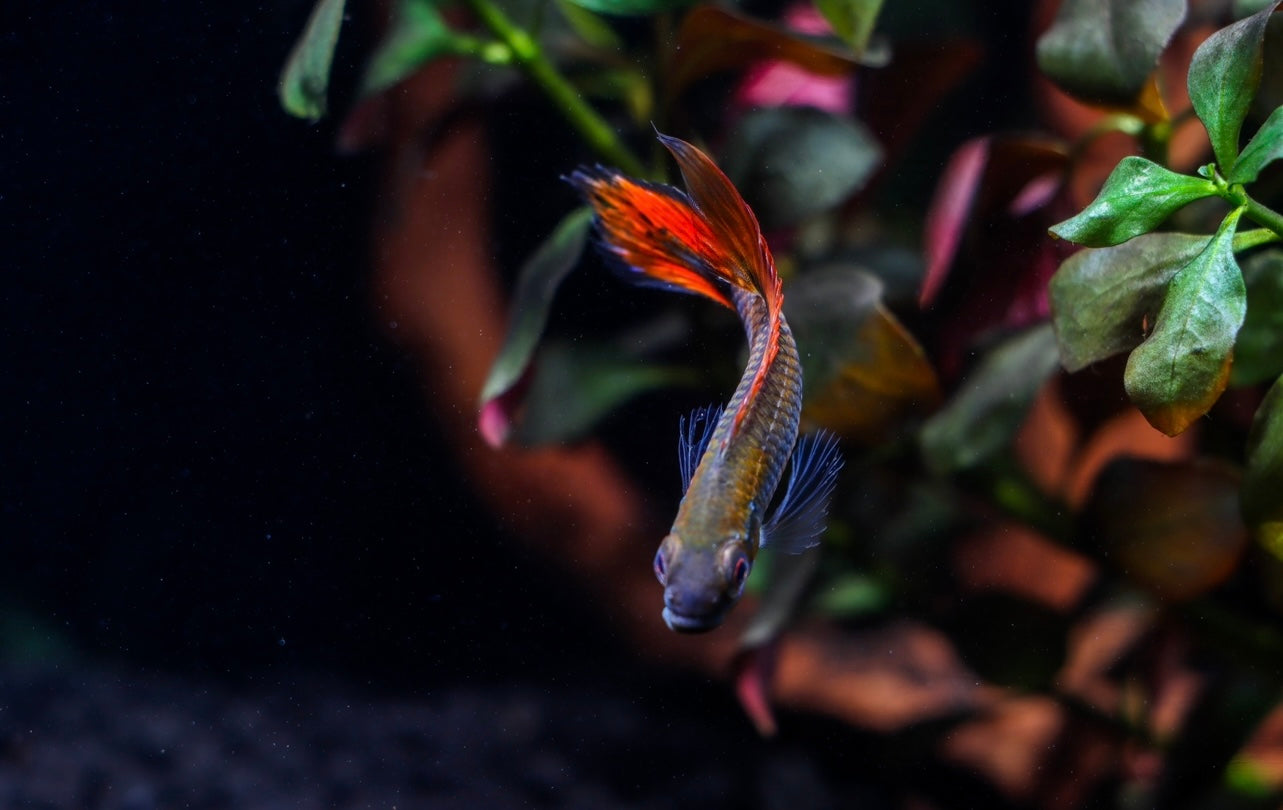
x=940, y=373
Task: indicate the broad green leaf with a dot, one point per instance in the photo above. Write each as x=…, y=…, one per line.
x=1103, y=51
x=1258, y=352
x=792, y=163
x=1137, y=197
x=536, y=286
x=1102, y=298
x=574, y=388
x=852, y=20
x=864, y=372
x=417, y=33
x=1265, y=147
x=632, y=8
x=1173, y=528
x=992, y=402
x=1263, y=481
x=1223, y=77
x=1182, y=367
x=307, y=71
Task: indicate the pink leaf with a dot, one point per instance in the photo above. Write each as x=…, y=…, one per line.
x=949, y=212
x=754, y=671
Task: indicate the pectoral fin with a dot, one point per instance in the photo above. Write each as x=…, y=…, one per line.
x=798, y=520
x=694, y=433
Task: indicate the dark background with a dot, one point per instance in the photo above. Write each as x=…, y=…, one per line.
x=214, y=464
x=213, y=456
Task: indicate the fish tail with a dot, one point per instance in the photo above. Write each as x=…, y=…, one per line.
x=749, y=263
x=654, y=233
x=705, y=241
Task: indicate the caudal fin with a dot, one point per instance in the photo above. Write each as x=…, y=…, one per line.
x=698, y=242
x=654, y=232
x=731, y=220
x=705, y=241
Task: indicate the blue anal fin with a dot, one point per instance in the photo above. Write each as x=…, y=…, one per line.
x=694, y=433
x=798, y=520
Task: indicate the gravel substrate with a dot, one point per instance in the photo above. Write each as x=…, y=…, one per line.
x=122, y=740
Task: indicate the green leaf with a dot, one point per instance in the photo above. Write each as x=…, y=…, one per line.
x=1223, y=77
x=536, y=286
x=1137, y=197
x=1103, y=51
x=1180, y=370
x=792, y=163
x=1265, y=147
x=590, y=28
x=1102, y=299
x=1258, y=352
x=416, y=34
x=307, y=71
x=865, y=374
x=992, y=402
x=574, y=387
x=852, y=20
x=851, y=596
x=1263, y=480
x=633, y=8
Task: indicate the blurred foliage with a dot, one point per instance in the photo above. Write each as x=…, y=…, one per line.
x=975, y=498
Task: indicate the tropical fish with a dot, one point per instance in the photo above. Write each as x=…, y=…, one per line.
x=707, y=241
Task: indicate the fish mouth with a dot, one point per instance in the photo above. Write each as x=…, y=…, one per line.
x=684, y=623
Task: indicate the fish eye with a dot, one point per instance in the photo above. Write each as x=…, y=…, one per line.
x=661, y=567
x=739, y=571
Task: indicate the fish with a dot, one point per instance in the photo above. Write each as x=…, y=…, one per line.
x=706, y=241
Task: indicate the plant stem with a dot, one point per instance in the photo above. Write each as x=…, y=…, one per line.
x=530, y=58
x=1263, y=215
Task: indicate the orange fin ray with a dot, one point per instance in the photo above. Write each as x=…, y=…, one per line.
x=736, y=227
x=655, y=232
x=702, y=241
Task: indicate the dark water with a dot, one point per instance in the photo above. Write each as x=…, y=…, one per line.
x=237, y=568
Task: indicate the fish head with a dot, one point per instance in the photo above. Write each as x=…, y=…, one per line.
x=702, y=582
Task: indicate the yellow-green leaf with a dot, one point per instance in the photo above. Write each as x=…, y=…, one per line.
x=307, y=71
x=1180, y=370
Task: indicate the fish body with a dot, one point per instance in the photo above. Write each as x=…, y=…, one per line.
x=707, y=241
